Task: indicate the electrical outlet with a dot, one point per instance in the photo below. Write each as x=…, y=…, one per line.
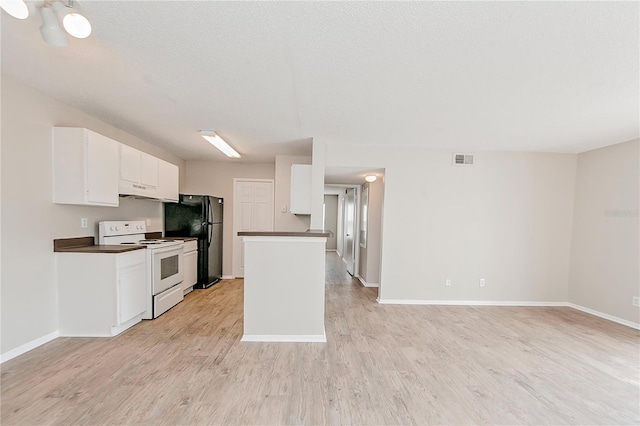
x=482, y=282
x=447, y=282
x=283, y=209
x=635, y=301
x=83, y=222
x=148, y=222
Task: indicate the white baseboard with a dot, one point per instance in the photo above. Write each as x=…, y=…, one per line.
x=316, y=338
x=333, y=250
x=605, y=316
x=227, y=277
x=467, y=302
x=28, y=346
x=366, y=284
x=508, y=303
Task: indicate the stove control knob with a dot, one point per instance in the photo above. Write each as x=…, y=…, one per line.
x=112, y=228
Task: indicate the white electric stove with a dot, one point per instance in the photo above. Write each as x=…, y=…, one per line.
x=164, y=263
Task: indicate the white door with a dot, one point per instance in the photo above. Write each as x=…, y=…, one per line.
x=349, y=228
x=252, y=211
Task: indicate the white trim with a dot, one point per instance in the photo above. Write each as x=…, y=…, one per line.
x=467, y=302
x=366, y=284
x=316, y=338
x=605, y=316
x=330, y=250
x=28, y=346
x=608, y=317
x=227, y=277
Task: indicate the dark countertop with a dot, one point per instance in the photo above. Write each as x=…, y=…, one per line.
x=308, y=233
x=87, y=245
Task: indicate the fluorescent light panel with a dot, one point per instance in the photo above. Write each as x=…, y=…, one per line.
x=219, y=143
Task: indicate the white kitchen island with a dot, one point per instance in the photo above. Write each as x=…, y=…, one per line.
x=284, y=286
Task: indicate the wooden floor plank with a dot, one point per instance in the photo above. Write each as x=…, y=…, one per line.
x=381, y=364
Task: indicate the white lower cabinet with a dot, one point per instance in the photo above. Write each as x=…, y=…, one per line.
x=100, y=294
x=190, y=266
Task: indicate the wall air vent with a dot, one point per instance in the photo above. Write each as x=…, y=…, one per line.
x=463, y=159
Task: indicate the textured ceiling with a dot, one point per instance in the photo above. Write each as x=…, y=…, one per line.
x=267, y=76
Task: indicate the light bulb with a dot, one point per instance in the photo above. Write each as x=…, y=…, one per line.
x=77, y=25
x=16, y=8
x=370, y=178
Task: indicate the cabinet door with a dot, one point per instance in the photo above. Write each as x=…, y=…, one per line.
x=132, y=292
x=129, y=164
x=102, y=170
x=300, y=202
x=148, y=170
x=168, y=181
x=190, y=270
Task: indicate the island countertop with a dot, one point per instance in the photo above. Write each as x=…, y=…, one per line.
x=308, y=233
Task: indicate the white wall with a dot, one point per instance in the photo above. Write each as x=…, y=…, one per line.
x=331, y=219
x=284, y=220
x=216, y=178
x=506, y=219
x=30, y=221
x=605, y=257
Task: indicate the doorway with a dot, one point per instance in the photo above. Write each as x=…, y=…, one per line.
x=349, y=209
x=360, y=220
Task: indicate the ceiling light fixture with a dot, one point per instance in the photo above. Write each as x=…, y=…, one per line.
x=55, y=15
x=16, y=8
x=370, y=178
x=50, y=29
x=214, y=139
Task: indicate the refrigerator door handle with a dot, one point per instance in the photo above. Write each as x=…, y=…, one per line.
x=209, y=222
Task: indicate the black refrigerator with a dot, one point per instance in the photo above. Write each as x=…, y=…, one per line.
x=199, y=216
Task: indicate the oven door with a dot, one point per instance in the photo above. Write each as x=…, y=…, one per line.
x=167, y=268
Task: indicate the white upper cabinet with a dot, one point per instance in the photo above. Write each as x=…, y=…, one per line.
x=148, y=170
x=138, y=173
x=300, y=202
x=85, y=168
x=129, y=164
x=168, y=180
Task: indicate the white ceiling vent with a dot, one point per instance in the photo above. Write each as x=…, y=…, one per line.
x=463, y=159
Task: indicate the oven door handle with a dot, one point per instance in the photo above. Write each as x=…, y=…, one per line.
x=178, y=249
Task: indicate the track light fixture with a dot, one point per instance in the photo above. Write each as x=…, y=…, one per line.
x=55, y=15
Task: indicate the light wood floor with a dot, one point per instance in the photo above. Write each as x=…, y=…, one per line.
x=381, y=364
